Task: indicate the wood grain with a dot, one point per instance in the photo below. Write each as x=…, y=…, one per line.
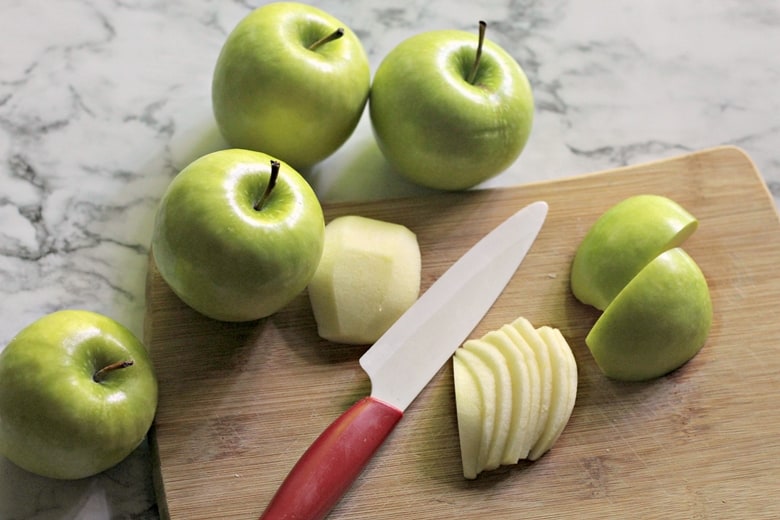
x=239, y=403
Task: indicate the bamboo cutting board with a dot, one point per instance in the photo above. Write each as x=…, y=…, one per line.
x=239, y=403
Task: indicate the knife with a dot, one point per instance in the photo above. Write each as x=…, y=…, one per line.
x=402, y=362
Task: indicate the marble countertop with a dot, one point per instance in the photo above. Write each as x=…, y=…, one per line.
x=102, y=102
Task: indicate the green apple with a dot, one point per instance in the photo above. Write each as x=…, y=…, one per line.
x=78, y=394
x=450, y=109
x=515, y=389
x=659, y=321
x=622, y=241
x=238, y=235
x=291, y=81
x=369, y=275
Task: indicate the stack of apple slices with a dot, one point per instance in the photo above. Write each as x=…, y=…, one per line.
x=515, y=389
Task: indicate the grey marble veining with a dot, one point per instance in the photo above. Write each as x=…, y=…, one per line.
x=102, y=102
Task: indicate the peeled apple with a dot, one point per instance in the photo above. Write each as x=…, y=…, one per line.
x=369, y=274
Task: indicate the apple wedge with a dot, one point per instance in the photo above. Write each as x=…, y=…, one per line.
x=622, y=241
x=495, y=361
x=658, y=322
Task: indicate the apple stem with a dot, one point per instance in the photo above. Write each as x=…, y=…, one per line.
x=475, y=66
x=101, y=374
x=335, y=35
x=275, y=165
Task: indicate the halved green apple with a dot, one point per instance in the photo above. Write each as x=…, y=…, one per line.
x=656, y=303
x=659, y=321
x=369, y=274
x=624, y=240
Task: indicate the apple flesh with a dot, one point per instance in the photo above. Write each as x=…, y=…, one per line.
x=444, y=123
x=659, y=321
x=498, y=371
x=622, y=241
x=78, y=394
x=368, y=276
x=291, y=81
x=515, y=389
x=478, y=429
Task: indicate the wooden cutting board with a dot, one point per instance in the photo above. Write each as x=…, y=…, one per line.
x=239, y=403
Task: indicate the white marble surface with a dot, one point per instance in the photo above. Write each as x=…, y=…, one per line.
x=102, y=101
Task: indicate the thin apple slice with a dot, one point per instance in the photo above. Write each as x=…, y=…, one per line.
x=495, y=361
x=535, y=383
x=468, y=402
x=523, y=328
x=526, y=393
x=486, y=383
x=561, y=403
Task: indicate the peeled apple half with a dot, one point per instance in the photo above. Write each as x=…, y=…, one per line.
x=369, y=274
x=515, y=390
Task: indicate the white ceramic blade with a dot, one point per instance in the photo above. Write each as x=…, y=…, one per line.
x=416, y=346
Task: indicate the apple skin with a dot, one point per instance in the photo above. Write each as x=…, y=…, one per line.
x=222, y=257
x=658, y=322
x=270, y=93
x=55, y=420
x=437, y=129
x=622, y=241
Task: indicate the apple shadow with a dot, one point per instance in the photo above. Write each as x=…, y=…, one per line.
x=200, y=136
x=360, y=172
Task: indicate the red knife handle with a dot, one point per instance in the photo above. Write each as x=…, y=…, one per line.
x=332, y=463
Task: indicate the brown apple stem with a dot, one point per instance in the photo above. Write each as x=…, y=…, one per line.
x=271, y=183
x=335, y=35
x=475, y=66
x=101, y=374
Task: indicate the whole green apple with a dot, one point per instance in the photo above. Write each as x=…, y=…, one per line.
x=78, y=394
x=291, y=81
x=659, y=321
x=622, y=241
x=238, y=235
x=450, y=109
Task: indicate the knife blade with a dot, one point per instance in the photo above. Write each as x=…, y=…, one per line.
x=402, y=362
